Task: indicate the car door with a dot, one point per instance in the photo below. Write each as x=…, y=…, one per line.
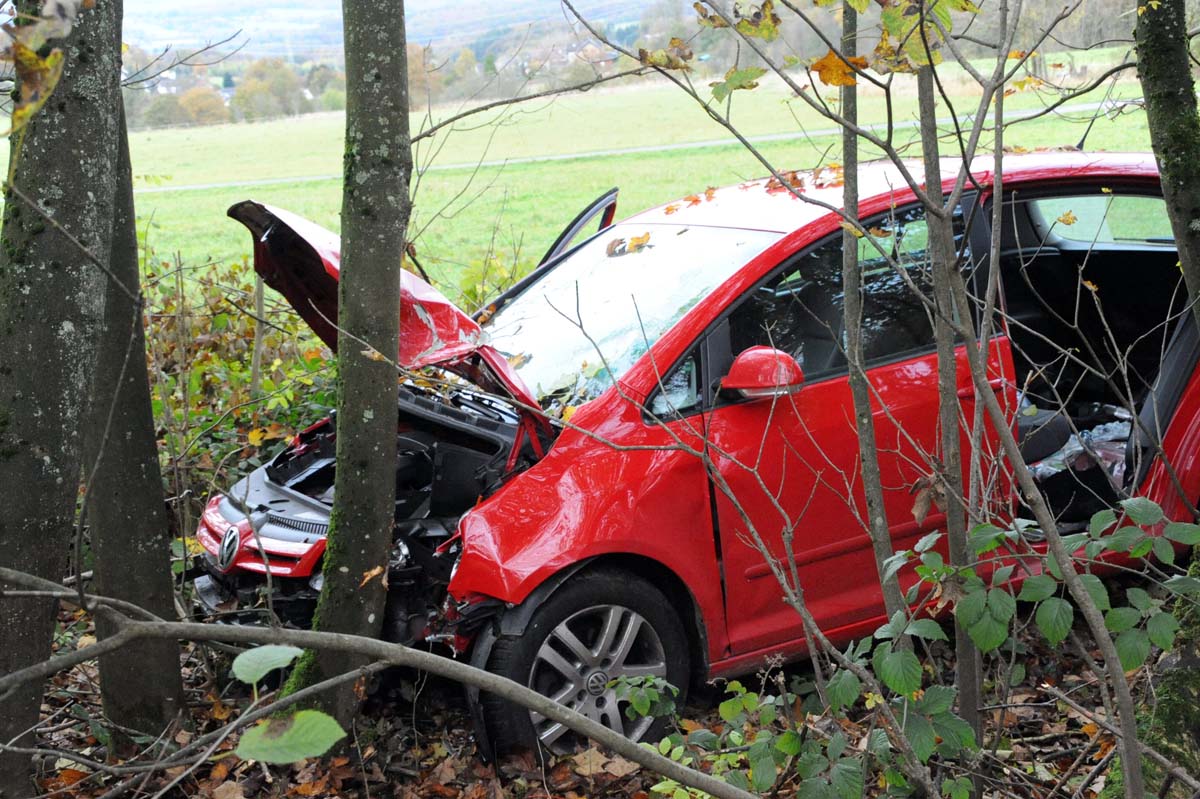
x=787, y=469
x=603, y=210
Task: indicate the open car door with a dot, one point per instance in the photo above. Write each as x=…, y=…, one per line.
x=604, y=206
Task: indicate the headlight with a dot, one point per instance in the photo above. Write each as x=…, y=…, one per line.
x=317, y=582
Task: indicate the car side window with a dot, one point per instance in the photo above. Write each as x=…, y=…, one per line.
x=800, y=310
x=680, y=393
x=1104, y=218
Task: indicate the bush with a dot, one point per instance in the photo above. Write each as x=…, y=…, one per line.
x=333, y=100
x=205, y=106
x=164, y=111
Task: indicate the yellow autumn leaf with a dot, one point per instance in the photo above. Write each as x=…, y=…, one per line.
x=370, y=575
x=638, y=243
x=837, y=70
x=257, y=436
x=852, y=229
x=1068, y=218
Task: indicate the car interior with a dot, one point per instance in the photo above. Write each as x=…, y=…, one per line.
x=1102, y=344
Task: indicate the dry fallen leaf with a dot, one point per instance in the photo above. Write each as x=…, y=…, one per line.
x=228, y=790
x=1068, y=218
x=370, y=575
x=590, y=762
x=620, y=767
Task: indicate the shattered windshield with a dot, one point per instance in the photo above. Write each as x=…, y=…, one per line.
x=611, y=299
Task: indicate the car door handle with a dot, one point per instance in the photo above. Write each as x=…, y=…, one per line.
x=996, y=385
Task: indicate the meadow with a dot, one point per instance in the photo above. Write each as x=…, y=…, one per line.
x=506, y=182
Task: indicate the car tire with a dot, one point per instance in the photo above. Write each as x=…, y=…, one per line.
x=596, y=627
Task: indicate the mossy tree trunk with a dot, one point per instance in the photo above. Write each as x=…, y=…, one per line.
x=51, y=307
x=131, y=540
x=1165, y=71
x=375, y=210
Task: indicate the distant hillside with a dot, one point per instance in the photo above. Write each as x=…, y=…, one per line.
x=313, y=28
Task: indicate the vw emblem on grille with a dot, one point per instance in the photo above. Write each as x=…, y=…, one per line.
x=228, y=549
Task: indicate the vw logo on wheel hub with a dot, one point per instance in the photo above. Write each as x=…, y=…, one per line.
x=228, y=549
x=597, y=683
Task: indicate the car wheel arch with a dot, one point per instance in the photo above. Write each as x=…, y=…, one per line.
x=514, y=621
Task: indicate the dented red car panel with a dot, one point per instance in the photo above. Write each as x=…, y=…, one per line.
x=302, y=260
x=648, y=502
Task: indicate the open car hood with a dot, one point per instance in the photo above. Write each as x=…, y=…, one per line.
x=301, y=261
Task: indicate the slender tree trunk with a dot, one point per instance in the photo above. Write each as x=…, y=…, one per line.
x=945, y=256
x=375, y=210
x=131, y=540
x=51, y=305
x=860, y=390
x=1165, y=71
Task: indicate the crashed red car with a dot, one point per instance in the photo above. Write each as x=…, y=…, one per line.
x=566, y=556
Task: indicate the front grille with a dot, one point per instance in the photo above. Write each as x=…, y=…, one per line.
x=316, y=528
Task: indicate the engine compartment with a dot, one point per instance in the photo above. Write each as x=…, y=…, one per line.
x=454, y=448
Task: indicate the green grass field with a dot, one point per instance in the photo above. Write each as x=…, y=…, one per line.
x=516, y=209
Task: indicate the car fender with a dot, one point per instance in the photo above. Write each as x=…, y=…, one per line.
x=512, y=621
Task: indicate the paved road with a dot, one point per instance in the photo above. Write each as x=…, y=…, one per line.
x=657, y=148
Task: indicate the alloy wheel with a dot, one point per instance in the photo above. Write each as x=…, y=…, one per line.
x=578, y=660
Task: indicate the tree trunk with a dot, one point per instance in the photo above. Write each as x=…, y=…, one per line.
x=1165, y=71
x=375, y=210
x=51, y=306
x=945, y=258
x=860, y=390
x=131, y=540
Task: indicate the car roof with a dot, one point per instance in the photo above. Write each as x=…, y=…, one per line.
x=765, y=204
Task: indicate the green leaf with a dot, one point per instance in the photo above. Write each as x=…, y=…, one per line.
x=936, y=699
x=1101, y=521
x=927, y=541
x=920, y=735
x=738, y=779
x=788, y=743
x=1183, y=533
x=705, y=739
x=731, y=709
x=843, y=689
x=1123, y=539
x=1139, y=598
x=1164, y=551
x=1096, y=590
x=1133, y=647
x=971, y=607
x=762, y=774
x=1142, y=511
x=308, y=733
x=1118, y=620
x=958, y=788
x=955, y=733
x=898, y=668
x=1001, y=604
x=1037, y=588
x=836, y=746
x=1183, y=584
x=847, y=778
x=983, y=537
x=926, y=628
x=254, y=664
x=988, y=633
x=1161, y=628
x=1054, y=618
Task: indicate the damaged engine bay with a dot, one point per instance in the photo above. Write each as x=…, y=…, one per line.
x=454, y=448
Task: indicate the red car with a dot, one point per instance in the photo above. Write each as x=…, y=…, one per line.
x=707, y=334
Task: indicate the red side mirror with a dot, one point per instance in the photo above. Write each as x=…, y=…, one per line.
x=763, y=372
